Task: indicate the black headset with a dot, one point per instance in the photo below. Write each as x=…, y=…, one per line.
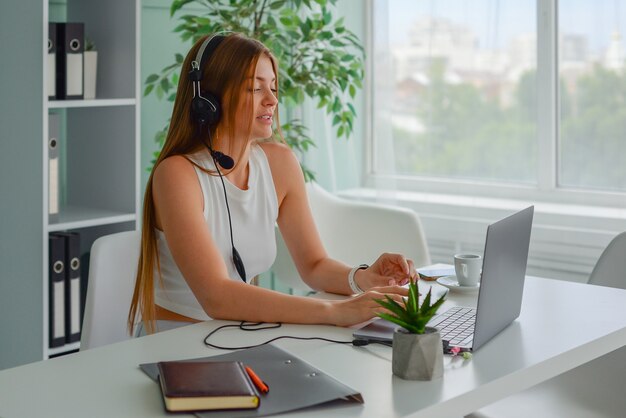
x=205, y=106
x=206, y=112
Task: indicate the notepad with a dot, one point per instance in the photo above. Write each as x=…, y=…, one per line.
x=435, y=271
x=204, y=385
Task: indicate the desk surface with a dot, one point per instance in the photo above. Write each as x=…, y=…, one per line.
x=562, y=325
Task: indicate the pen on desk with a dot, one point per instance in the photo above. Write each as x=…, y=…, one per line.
x=260, y=385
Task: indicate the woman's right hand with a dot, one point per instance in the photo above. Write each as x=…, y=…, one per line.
x=363, y=307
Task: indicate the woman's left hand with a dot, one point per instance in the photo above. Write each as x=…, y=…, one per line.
x=388, y=270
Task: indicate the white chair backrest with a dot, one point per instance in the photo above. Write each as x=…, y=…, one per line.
x=355, y=233
x=112, y=269
x=610, y=270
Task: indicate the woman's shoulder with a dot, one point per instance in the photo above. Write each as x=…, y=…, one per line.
x=174, y=164
x=175, y=180
x=284, y=166
x=175, y=168
x=276, y=149
x=279, y=155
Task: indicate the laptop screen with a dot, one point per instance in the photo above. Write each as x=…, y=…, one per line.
x=504, y=270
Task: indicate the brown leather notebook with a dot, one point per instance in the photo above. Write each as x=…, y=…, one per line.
x=199, y=386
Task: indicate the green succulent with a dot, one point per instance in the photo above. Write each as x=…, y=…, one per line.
x=412, y=316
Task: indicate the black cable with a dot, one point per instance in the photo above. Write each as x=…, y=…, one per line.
x=259, y=326
x=235, y=255
x=219, y=172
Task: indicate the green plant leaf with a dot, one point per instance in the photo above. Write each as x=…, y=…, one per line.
x=177, y=5
x=180, y=27
x=148, y=89
x=411, y=316
x=392, y=305
x=409, y=327
x=336, y=105
x=152, y=78
x=325, y=35
x=426, y=304
x=413, y=299
x=277, y=4
x=435, y=306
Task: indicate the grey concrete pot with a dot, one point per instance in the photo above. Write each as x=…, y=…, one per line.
x=417, y=356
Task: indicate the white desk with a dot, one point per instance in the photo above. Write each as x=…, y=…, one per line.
x=562, y=325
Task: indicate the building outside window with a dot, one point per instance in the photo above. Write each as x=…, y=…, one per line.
x=516, y=98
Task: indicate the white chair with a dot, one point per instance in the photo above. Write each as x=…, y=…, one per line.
x=593, y=390
x=112, y=269
x=610, y=270
x=355, y=233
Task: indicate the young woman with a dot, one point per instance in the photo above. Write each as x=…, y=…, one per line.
x=226, y=105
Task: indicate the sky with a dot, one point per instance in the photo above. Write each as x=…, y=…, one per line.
x=496, y=21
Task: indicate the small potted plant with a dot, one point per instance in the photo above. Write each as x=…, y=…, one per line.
x=417, y=349
x=91, y=64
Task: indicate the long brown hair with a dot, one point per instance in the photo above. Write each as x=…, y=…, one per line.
x=228, y=74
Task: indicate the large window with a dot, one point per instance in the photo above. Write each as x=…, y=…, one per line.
x=472, y=92
x=592, y=72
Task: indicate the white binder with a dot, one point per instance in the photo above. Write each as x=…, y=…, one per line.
x=53, y=167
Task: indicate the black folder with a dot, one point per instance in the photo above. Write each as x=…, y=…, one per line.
x=293, y=383
x=72, y=286
x=69, y=61
x=56, y=292
x=84, y=277
x=52, y=63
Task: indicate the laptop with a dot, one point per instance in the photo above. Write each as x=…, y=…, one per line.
x=499, y=297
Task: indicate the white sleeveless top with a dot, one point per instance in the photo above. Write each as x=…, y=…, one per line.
x=254, y=213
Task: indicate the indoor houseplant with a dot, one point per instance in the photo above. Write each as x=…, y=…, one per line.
x=417, y=349
x=318, y=57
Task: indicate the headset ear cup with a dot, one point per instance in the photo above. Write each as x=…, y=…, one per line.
x=206, y=109
x=199, y=110
x=215, y=109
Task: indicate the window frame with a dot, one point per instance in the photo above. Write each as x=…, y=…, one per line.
x=546, y=189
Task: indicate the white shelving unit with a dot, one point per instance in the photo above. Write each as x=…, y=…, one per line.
x=65, y=104
x=101, y=136
x=99, y=156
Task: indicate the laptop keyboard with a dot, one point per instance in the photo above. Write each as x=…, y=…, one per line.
x=456, y=325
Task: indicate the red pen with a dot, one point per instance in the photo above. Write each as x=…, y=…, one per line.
x=260, y=385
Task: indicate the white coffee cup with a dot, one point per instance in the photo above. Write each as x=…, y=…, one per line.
x=468, y=268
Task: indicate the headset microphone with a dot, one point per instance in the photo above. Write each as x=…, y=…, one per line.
x=222, y=159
